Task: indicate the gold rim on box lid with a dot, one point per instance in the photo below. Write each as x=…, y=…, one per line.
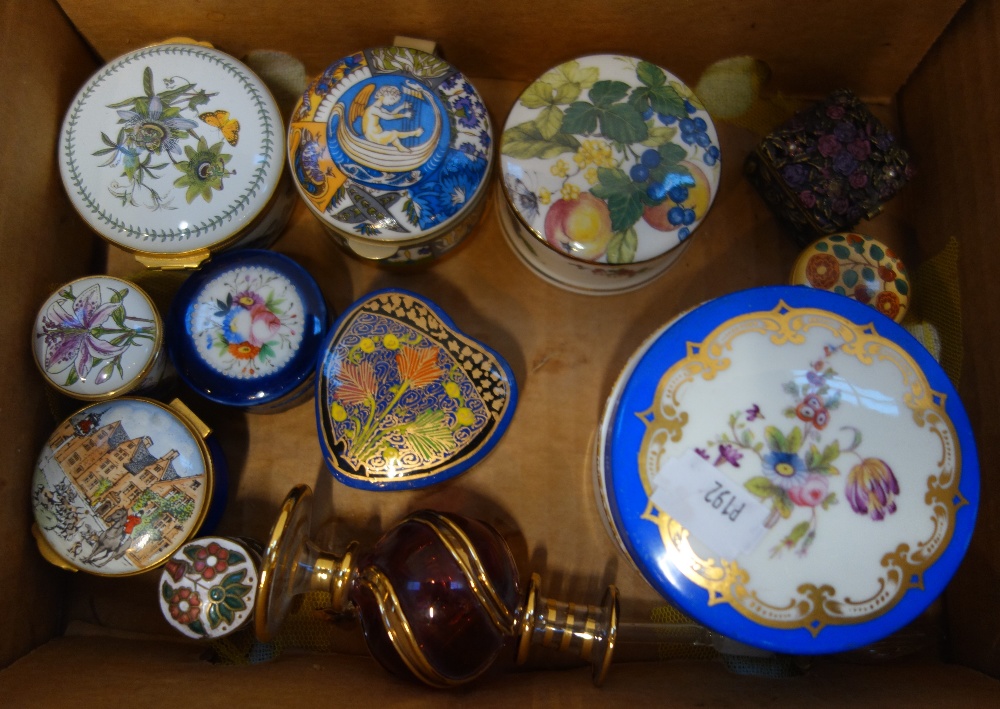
x=172, y=152
x=120, y=485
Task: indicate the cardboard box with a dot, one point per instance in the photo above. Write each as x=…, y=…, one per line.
x=929, y=67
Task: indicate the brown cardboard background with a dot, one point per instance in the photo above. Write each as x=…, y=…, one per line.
x=565, y=349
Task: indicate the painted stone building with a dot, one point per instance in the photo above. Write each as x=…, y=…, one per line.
x=112, y=472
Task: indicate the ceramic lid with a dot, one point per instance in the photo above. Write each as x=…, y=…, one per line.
x=792, y=473
x=97, y=337
x=208, y=588
x=172, y=149
x=858, y=266
x=404, y=398
x=245, y=329
x=609, y=159
x=390, y=145
x=119, y=486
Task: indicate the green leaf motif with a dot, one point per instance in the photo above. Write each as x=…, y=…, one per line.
x=660, y=135
x=266, y=351
x=605, y=93
x=166, y=591
x=798, y=531
x=822, y=246
x=581, y=118
x=782, y=503
x=571, y=73
x=198, y=627
x=623, y=124
x=761, y=487
x=72, y=378
x=611, y=181
x=429, y=435
x=537, y=95
x=775, y=439
x=902, y=286
x=168, y=97
x=876, y=252
x=549, y=121
x=213, y=616
x=625, y=210
x=671, y=154
x=234, y=602
x=829, y=500
x=622, y=247
x=526, y=141
x=237, y=576
x=147, y=82
x=666, y=100
x=566, y=93
x=841, y=251
x=868, y=274
x=650, y=74
x=850, y=278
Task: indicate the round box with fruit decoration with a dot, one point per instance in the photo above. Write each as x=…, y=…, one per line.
x=609, y=164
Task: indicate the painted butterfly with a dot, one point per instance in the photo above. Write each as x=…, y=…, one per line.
x=230, y=127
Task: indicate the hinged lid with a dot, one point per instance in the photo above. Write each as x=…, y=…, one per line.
x=120, y=485
x=794, y=471
x=390, y=146
x=609, y=159
x=97, y=337
x=245, y=330
x=171, y=151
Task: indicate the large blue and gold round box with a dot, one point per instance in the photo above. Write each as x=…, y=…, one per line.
x=791, y=468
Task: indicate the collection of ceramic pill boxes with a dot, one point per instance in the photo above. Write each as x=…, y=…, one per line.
x=785, y=464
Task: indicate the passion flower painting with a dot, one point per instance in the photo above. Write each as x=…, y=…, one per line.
x=247, y=323
x=167, y=128
x=799, y=464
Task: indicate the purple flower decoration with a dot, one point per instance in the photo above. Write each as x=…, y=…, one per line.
x=729, y=454
x=795, y=174
x=835, y=112
x=840, y=205
x=845, y=164
x=703, y=453
x=845, y=132
x=872, y=489
x=815, y=379
x=152, y=132
x=754, y=413
x=858, y=179
x=71, y=336
x=807, y=198
x=828, y=146
x=464, y=110
x=860, y=149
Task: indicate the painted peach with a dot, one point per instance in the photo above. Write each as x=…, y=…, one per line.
x=579, y=227
x=699, y=199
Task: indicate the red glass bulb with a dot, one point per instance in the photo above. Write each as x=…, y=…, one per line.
x=437, y=596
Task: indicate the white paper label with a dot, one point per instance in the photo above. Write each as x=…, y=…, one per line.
x=717, y=511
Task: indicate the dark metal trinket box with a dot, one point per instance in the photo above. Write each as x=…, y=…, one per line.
x=828, y=167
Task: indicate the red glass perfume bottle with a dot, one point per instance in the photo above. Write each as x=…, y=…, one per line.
x=437, y=596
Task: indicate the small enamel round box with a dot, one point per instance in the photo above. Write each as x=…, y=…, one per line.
x=174, y=152
x=608, y=164
x=99, y=337
x=859, y=267
x=208, y=588
x=790, y=473
x=404, y=398
x=120, y=485
x=391, y=149
x=245, y=330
